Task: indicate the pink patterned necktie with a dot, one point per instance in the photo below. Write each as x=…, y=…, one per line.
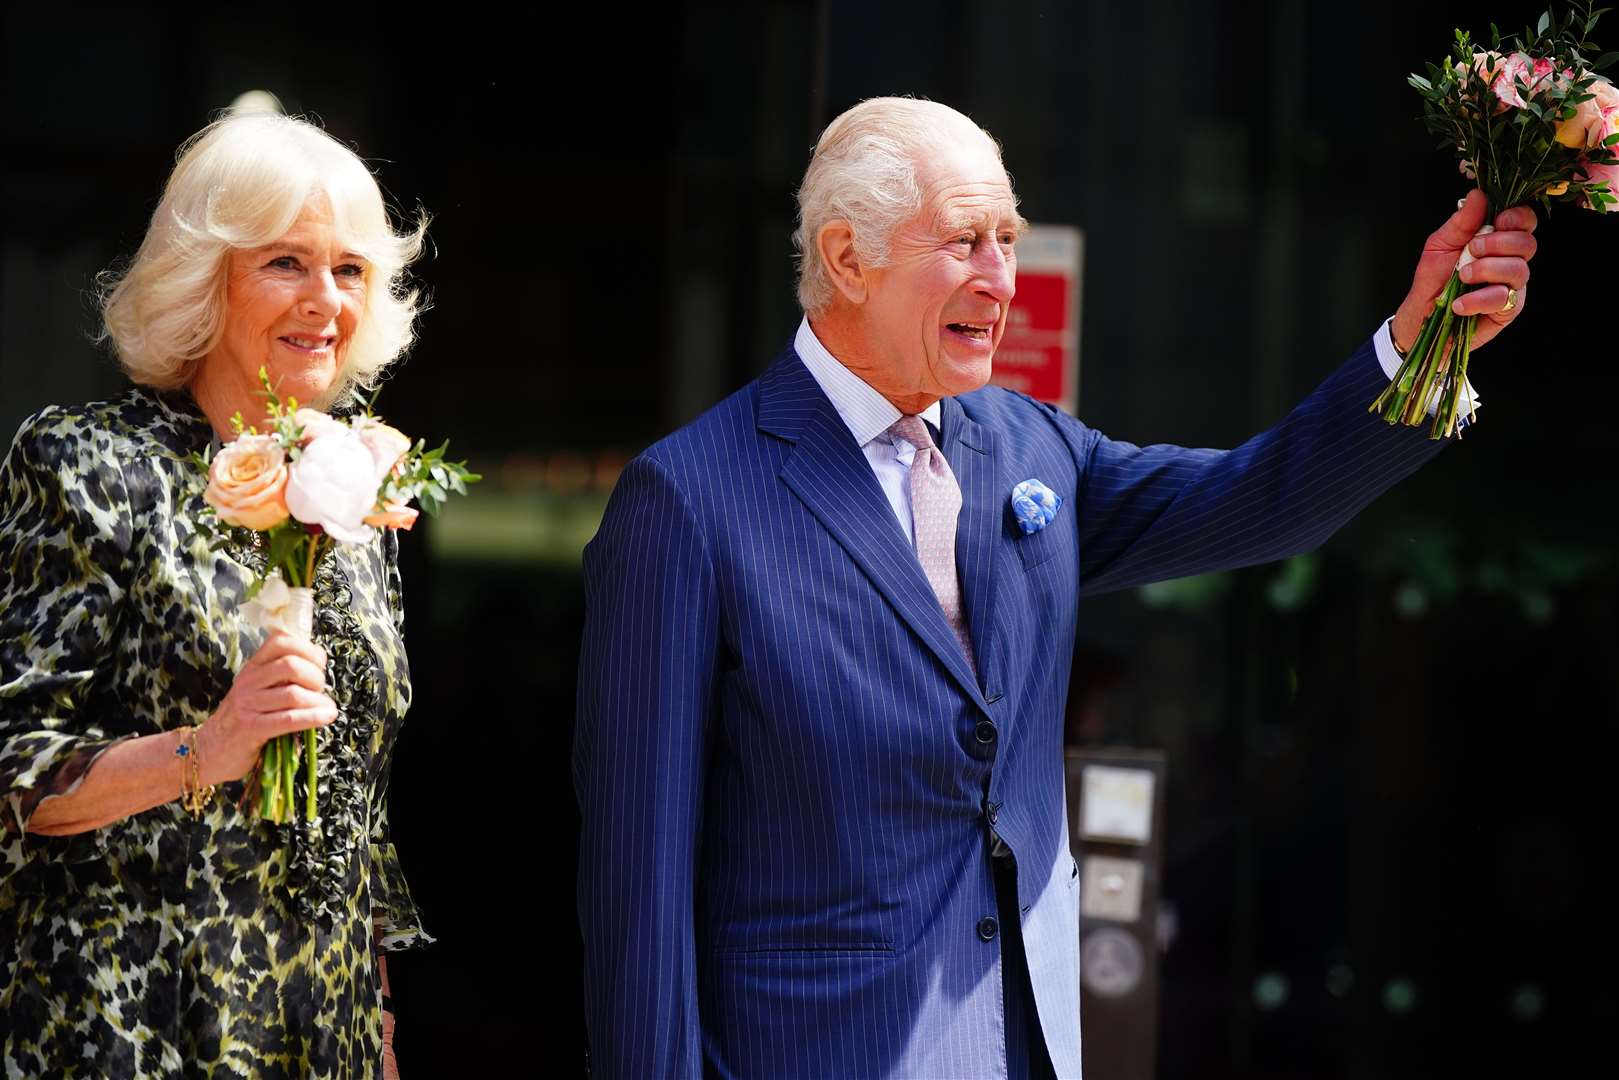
x=935, y=505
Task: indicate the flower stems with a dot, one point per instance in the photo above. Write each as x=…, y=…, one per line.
x=278, y=771
x=270, y=782
x=1448, y=415
x=289, y=768
x=1436, y=362
x=309, y=775
x=283, y=755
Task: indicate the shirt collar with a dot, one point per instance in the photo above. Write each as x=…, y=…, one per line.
x=866, y=412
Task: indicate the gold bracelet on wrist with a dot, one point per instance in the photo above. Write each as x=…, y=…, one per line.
x=194, y=794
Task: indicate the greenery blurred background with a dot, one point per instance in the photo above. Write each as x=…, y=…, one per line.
x=1388, y=761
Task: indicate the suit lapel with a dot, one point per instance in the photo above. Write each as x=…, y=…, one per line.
x=832, y=477
x=970, y=449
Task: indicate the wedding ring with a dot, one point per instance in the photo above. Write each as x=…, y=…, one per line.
x=1512, y=300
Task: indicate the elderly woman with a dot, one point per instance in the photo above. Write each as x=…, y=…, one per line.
x=147, y=929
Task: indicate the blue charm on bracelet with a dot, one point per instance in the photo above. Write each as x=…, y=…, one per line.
x=194, y=794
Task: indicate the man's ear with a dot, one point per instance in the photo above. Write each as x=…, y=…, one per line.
x=835, y=244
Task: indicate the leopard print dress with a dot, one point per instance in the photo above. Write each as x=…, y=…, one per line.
x=163, y=946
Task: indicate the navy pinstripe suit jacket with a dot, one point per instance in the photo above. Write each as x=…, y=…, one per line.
x=780, y=750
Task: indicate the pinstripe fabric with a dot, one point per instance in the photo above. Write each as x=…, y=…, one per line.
x=780, y=750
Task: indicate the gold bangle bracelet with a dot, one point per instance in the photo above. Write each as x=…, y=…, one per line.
x=194, y=795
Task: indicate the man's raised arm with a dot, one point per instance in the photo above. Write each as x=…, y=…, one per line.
x=1157, y=512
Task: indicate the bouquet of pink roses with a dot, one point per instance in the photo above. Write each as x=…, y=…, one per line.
x=308, y=481
x=1530, y=119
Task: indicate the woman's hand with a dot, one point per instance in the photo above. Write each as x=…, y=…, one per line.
x=281, y=689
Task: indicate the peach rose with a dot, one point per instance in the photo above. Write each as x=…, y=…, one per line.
x=1593, y=121
x=247, y=483
x=387, y=444
x=395, y=515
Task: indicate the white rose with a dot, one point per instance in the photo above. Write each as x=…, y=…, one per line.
x=333, y=484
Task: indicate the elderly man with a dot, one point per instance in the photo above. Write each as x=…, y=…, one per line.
x=819, y=741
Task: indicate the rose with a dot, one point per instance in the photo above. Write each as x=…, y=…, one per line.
x=1572, y=132
x=1594, y=120
x=1498, y=72
x=393, y=515
x=247, y=483
x=1508, y=71
x=387, y=444
x=1483, y=63
x=333, y=483
x=1513, y=70
x=1608, y=174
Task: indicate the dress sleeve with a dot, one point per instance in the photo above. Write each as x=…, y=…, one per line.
x=393, y=913
x=398, y=923
x=64, y=551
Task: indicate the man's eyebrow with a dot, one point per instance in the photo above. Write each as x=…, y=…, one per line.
x=963, y=222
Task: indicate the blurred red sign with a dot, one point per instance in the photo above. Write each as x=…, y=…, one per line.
x=1039, y=353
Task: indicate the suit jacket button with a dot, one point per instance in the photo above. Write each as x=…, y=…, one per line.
x=985, y=732
x=987, y=926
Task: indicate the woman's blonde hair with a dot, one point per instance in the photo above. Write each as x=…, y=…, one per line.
x=241, y=182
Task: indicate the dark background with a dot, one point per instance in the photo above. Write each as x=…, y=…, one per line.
x=1389, y=762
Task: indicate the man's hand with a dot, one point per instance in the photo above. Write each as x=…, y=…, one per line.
x=1500, y=263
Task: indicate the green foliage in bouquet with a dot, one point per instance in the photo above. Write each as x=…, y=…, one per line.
x=308, y=481
x=1531, y=121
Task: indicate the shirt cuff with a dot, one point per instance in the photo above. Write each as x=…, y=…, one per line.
x=1383, y=342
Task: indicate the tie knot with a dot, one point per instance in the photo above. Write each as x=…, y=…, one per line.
x=913, y=431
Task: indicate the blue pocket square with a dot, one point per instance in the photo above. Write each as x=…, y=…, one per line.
x=1034, y=505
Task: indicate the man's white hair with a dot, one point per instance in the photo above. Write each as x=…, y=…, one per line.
x=241, y=182
x=864, y=171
